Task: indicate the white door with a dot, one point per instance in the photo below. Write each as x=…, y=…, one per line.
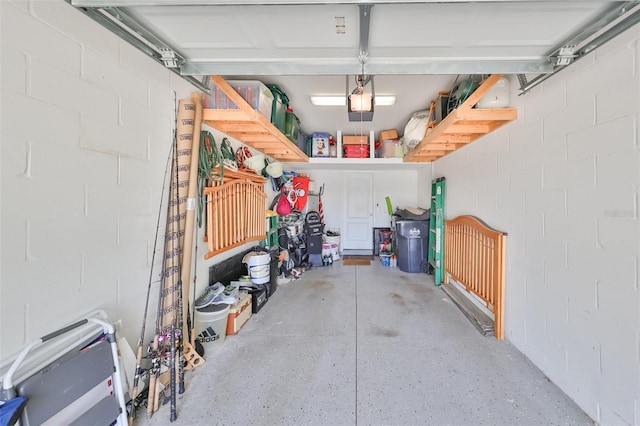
x=357, y=211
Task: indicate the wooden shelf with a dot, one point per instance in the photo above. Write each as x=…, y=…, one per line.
x=250, y=127
x=462, y=126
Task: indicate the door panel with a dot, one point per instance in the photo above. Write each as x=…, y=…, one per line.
x=357, y=219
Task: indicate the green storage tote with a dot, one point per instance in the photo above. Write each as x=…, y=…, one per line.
x=280, y=104
x=291, y=125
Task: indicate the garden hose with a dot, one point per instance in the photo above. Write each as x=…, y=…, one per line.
x=208, y=159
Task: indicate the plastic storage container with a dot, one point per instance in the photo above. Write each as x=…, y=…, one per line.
x=211, y=326
x=291, y=125
x=256, y=94
x=387, y=149
x=498, y=96
x=412, y=244
x=218, y=100
x=301, y=141
x=279, y=110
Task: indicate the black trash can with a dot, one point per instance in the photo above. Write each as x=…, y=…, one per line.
x=412, y=238
x=273, y=270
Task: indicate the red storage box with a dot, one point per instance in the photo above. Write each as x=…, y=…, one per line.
x=356, y=151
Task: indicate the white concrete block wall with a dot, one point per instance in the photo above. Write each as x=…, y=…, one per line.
x=86, y=131
x=563, y=181
x=399, y=185
x=331, y=198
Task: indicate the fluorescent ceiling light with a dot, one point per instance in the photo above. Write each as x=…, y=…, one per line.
x=329, y=100
x=384, y=100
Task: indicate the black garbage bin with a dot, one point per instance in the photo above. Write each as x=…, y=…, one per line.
x=412, y=240
x=273, y=270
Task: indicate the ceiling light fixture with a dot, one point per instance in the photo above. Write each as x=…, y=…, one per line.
x=360, y=105
x=328, y=100
x=341, y=100
x=360, y=102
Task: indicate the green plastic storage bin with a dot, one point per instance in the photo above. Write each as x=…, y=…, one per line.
x=280, y=104
x=301, y=142
x=291, y=126
x=308, y=145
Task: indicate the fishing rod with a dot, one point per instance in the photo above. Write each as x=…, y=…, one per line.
x=176, y=281
x=153, y=400
x=139, y=349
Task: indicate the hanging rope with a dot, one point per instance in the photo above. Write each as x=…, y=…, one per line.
x=208, y=159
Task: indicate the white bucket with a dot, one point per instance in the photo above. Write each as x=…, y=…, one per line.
x=211, y=326
x=330, y=249
x=259, y=268
x=334, y=240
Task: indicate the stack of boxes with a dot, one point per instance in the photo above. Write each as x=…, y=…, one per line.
x=356, y=146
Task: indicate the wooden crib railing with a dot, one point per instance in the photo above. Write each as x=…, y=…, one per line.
x=474, y=257
x=235, y=215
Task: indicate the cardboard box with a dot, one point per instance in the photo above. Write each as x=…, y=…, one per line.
x=355, y=140
x=239, y=313
x=387, y=135
x=320, y=145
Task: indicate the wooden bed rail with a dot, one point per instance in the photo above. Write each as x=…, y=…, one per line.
x=474, y=257
x=235, y=215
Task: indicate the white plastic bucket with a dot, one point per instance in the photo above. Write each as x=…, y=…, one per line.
x=259, y=268
x=211, y=326
x=330, y=249
x=334, y=240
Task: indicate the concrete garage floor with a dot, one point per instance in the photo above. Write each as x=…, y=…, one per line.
x=366, y=345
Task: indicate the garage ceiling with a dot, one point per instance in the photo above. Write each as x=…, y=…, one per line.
x=275, y=39
x=318, y=38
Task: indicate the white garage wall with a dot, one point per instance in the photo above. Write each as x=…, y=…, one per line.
x=399, y=185
x=86, y=130
x=563, y=181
